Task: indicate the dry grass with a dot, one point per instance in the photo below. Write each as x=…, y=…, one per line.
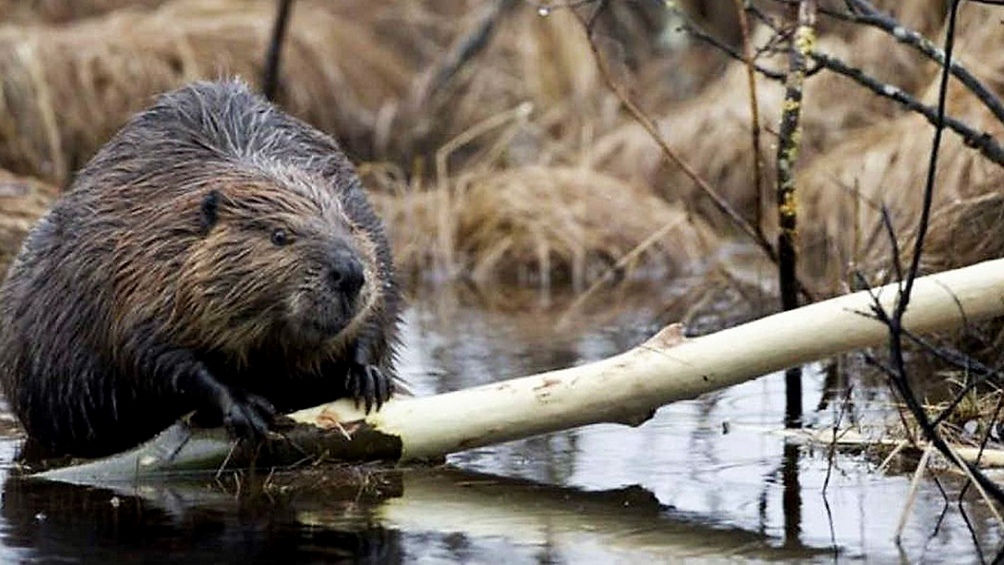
x=542, y=62
x=22, y=202
x=844, y=189
x=712, y=130
x=59, y=11
x=536, y=224
x=518, y=140
x=719, y=16
x=67, y=89
x=347, y=69
x=545, y=63
x=967, y=230
x=517, y=122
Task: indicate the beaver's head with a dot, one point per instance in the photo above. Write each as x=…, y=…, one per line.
x=278, y=265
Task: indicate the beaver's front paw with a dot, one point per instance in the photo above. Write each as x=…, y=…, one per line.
x=247, y=416
x=368, y=384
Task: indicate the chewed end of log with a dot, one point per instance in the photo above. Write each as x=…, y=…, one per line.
x=669, y=336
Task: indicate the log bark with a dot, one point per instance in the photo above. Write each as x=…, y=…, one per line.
x=626, y=388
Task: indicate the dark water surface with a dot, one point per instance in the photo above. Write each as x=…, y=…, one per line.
x=708, y=480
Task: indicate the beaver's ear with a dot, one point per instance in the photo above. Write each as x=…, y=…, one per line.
x=208, y=211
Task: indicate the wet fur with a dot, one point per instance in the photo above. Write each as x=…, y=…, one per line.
x=156, y=269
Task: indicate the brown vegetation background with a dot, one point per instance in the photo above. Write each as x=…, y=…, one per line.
x=524, y=166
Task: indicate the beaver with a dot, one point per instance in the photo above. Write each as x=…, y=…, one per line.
x=216, y=255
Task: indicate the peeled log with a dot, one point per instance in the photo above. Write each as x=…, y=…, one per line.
x=626, y=388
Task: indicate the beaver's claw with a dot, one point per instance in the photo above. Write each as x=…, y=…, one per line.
x=247, y=417
x=368, y=384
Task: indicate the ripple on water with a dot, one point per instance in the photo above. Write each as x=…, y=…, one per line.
x=703, y=480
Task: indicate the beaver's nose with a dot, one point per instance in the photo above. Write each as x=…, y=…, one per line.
x=346, y=272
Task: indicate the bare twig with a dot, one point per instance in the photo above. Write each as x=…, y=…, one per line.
x=897, y=368
x=465, y=49
x=270, y=78
x=981, y=141
x=866, y=13
x=969, y=470
x=440, y=76
x=720, y=203
x=932, y=168
x=695, y=30
x=754, y=117
x=912, y=494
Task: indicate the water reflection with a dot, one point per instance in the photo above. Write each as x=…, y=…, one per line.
x=66, y=523
x=747, y=478
x=436, y=514
x=703, y=480
x=792, y=495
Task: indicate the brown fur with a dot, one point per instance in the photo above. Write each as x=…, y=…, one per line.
x=216, y=255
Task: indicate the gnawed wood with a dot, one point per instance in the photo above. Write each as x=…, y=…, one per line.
x=626, y=388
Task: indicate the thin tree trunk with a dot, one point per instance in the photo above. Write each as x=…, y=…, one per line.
x=789, y=138
x=626, y=388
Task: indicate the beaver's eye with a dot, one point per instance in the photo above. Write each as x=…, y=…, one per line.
x=280, y=237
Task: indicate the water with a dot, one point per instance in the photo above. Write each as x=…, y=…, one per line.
x=708, y=480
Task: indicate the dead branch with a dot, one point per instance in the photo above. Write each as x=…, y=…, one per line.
x=623, y=389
